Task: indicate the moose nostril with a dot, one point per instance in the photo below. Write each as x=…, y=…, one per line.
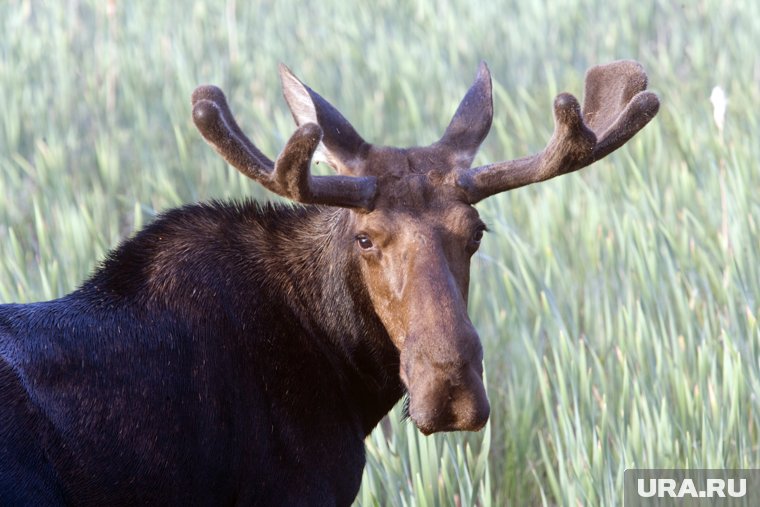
x=478, y=417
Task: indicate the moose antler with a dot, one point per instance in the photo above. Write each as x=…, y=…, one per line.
x=290, y=175
x=615, y=107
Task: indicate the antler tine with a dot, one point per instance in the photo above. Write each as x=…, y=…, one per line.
x=616, y=107
x=290, y=175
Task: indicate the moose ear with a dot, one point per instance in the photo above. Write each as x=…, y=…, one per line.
x=472, y=120
x=341, y=147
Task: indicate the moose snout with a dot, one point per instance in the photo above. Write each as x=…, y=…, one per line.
x=447, y=396
x=438, y=405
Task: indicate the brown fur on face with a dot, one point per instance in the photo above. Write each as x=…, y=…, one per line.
x=416, y=271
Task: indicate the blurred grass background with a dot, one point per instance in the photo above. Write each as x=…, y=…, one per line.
x=618, y=306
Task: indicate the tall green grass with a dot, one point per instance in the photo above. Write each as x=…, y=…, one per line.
x=618, y=307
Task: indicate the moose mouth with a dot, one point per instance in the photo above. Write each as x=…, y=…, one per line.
x=463, y=407
x=444, y=421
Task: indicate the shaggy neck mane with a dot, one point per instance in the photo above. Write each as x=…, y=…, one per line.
x=234, y=262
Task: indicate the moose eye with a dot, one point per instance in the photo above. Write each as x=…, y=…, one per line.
x=475, y=239
x=364, y=242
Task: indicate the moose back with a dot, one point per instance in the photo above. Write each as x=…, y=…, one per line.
x=239, y=353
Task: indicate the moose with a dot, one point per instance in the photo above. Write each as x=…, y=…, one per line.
x=240, y=353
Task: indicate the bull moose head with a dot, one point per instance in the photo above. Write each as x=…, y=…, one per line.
x=412, y=227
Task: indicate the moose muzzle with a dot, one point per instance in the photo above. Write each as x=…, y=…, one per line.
x=445, y=384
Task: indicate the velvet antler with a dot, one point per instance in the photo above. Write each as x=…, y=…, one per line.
x=615, y=107
x=290, y=175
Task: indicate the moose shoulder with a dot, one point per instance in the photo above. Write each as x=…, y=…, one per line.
x=238, y=353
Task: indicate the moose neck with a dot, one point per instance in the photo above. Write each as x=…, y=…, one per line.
x=332, y=303
x=291, y=265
